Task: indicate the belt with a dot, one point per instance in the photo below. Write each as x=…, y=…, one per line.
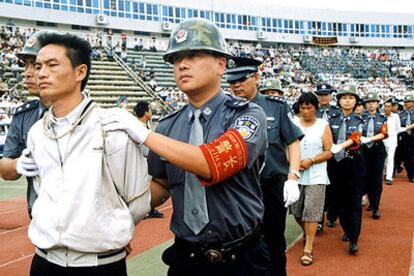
x=219, y=253
x=102, y=258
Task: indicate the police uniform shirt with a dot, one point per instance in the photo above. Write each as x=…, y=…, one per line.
x=234, y=206
x=403, y=118
x=354, y=123
x=23, y=119
x=379, y=120
x=331, y=110
x=281, y=131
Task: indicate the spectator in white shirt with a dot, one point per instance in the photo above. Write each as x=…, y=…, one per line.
x=394, y=124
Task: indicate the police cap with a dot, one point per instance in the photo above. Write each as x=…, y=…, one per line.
x=240, y=67
x=324, y=89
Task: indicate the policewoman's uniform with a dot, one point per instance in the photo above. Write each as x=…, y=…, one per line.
x=229, y=242
x=347, y=173
x=406, y=143
x=376, y=153
x=326, y=112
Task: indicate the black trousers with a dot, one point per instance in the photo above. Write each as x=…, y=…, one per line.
x=252, y=260
x=407, y=153
x=348, y=185
x=274, y=223
x=42, y=267
x=375, y=167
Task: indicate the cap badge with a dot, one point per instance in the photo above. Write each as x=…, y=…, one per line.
x=231, y=64
x=268, y=83
x=30, y=42
x=181, y=36
x=323, y=87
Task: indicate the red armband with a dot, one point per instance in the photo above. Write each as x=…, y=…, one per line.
x=384, y=130
x=226, y=156
x=356, y=138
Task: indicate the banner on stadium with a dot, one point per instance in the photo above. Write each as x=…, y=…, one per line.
x=325, y=40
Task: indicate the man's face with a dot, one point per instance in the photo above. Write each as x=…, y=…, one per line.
x=371, y=106
x=387, y=108
x=409, y=105
x=246, y=87
x=273, y=92
x=197, y=71
x=30, y=75
x=324, y=99
x=56, y=76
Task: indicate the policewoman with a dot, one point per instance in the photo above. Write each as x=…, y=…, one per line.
x=347, y=170
x=279, y=177
x=23, y=119
x=375, y=130
x=326, y=109
x=406, y=143
x=272, y=87
x=211, y=165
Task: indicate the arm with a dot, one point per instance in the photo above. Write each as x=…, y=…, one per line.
x=185, y=156
x=8, y=169
x=159, y=192
x=294, y=158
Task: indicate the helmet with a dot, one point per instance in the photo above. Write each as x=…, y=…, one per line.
x=196, y=34
x=32, y=46
x=272, y=84
x=409, y=98
x=371, y=96
x=347, y=89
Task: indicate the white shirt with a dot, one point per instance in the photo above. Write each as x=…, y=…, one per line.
x=393, y=124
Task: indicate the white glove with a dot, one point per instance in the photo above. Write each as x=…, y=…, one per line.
x=119, y=119
x=365, y=140
x=25, y=164
x=290, y=192
x=335, y=148
x=402, y=129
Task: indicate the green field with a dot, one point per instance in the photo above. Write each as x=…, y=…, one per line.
x=149, y=262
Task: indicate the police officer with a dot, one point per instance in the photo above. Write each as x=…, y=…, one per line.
x=272, y=87
x=347, y=170
x=407, y=137
x=279, y=177
x=23, y=119
x=326, y=109
x=213, y=173
x=375, y=130
x=360, y=108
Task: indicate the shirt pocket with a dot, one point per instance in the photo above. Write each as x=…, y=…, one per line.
x=273, y=132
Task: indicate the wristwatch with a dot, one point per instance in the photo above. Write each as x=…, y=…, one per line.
x=295, y=172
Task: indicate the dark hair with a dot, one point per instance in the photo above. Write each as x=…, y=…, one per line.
x=140, y=108
x=309, y=98
x=78, y=50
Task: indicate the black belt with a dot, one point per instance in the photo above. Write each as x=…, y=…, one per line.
x=100, y=255
x=218, y=253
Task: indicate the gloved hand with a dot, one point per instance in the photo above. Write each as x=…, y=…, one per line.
x=25, y=164
x=290, y=192
x=402, y=129
x=120, y=119
x=365, y=140
x=335, y=148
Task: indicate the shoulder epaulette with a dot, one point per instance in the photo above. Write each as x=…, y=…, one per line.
x=335, y=115
x=383, y=116
x=276, y=99
x=335, y=107
x=173, y=114
x=27, y=106
x=236, y=102
x=359, y=117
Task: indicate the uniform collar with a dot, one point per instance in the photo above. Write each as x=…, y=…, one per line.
x=208, y=108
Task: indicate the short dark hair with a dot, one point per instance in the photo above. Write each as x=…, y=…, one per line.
x=78, y=50
x=140, y=108
x=309, y=98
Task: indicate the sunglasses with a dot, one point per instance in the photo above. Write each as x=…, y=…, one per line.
x=243, y=79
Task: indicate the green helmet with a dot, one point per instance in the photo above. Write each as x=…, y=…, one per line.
x=409, y=98
x=272, y=84
x=347, y=89
x=371, y=96
x=196, y=34
x=32, y=46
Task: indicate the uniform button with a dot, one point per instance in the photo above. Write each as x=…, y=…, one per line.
x=194, y=211
x=209, y=231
